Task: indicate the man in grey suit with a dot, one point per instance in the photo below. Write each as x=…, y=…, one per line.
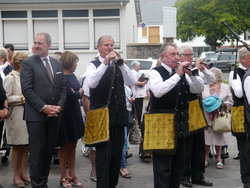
x=43, y=87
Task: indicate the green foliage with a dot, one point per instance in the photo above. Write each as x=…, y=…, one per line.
x=225, y=81
x=203, y=18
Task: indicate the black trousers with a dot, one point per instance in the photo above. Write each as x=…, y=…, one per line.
x=168, y=169
x=194, y=157
x=108, y=158
x=1, y=132
x=244, y=153
x=138, y=108
x=42, y=138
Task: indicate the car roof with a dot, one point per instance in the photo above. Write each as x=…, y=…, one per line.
x=226, y=50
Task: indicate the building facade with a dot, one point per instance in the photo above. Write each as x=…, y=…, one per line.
x=74, y=25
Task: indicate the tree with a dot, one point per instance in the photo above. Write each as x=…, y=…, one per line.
x=203, y=18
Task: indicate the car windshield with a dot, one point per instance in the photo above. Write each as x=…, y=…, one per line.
x=213, y=57
x=232, y=56
x=209, y=54
x=145, y=65
x=221, y=57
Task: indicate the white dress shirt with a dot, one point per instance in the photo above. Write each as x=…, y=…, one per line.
x=160, y=87
x=94, y=74
x=247, y=88
x=207, y=76
x=236, y=84
x=139, y=92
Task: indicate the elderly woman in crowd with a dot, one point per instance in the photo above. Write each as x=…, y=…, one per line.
x=71, y=126
x=139, y=90
x=16, y=130
x=5, y=68
x=221, y=92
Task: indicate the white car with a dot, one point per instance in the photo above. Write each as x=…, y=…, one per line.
x=146, y=64
x=204, y=55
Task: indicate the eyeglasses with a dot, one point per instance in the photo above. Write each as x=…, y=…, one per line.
x=189, y=55
x=173, y=54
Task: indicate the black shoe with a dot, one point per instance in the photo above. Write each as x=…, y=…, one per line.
x=246, y=185
x=210, y=155
x=236, y=157
x=129, y=155
x=186, y=183
x=56, y=161
x=203, y=182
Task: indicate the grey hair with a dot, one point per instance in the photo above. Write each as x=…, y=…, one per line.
x=216, y=71
x=46, y=35
x=243, y=52
x=99, y=42
x=135, y=64
x=164, y=47
x=184, y=47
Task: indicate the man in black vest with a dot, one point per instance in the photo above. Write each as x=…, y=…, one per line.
x=195, y=143
x=238, y=92
x=99, y=73
x=163, y=84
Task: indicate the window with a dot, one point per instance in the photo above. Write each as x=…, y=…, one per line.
x=107, y=27
x=224, y=57
x=144, y=32
x=199, y=50
x=69, y=29
x=154, y=34
x=75, y=13
x=247, y=36
x=16, y=33
x=48, y=26
x=76, y=34
x=106, y=12
x=76, y=31
x=14, y=14
x=44, y=14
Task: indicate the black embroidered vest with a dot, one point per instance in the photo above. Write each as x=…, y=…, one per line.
x=167, y=102
x=98, y=96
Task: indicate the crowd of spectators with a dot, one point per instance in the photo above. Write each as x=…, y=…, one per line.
x=40, y=95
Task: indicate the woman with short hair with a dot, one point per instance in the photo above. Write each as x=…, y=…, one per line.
x=5, y=68
x=222, y=92
x=139, y=90
x=71, y=125
x=16, y=129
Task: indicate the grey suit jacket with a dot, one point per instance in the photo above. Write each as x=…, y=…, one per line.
x=38, y=89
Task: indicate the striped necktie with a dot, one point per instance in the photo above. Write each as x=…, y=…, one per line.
x=48, y=69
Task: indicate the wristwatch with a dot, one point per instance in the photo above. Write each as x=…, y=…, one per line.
x=6, y=107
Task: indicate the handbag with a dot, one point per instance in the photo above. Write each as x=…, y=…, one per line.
x=134, y=132
x=222, y=121
x=196, y=117
x=238, y=119
x=159, y=131
x=97, y=122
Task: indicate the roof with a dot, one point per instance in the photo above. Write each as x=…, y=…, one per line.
x=226, y=50
x=151, y=10
x=59, y=1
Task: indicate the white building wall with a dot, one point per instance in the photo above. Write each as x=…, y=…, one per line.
x=128, y=26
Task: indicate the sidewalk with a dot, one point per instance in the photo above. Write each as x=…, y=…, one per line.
x=141, y=171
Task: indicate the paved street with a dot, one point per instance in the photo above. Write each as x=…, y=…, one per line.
x=141, y=171
x=142, y=176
